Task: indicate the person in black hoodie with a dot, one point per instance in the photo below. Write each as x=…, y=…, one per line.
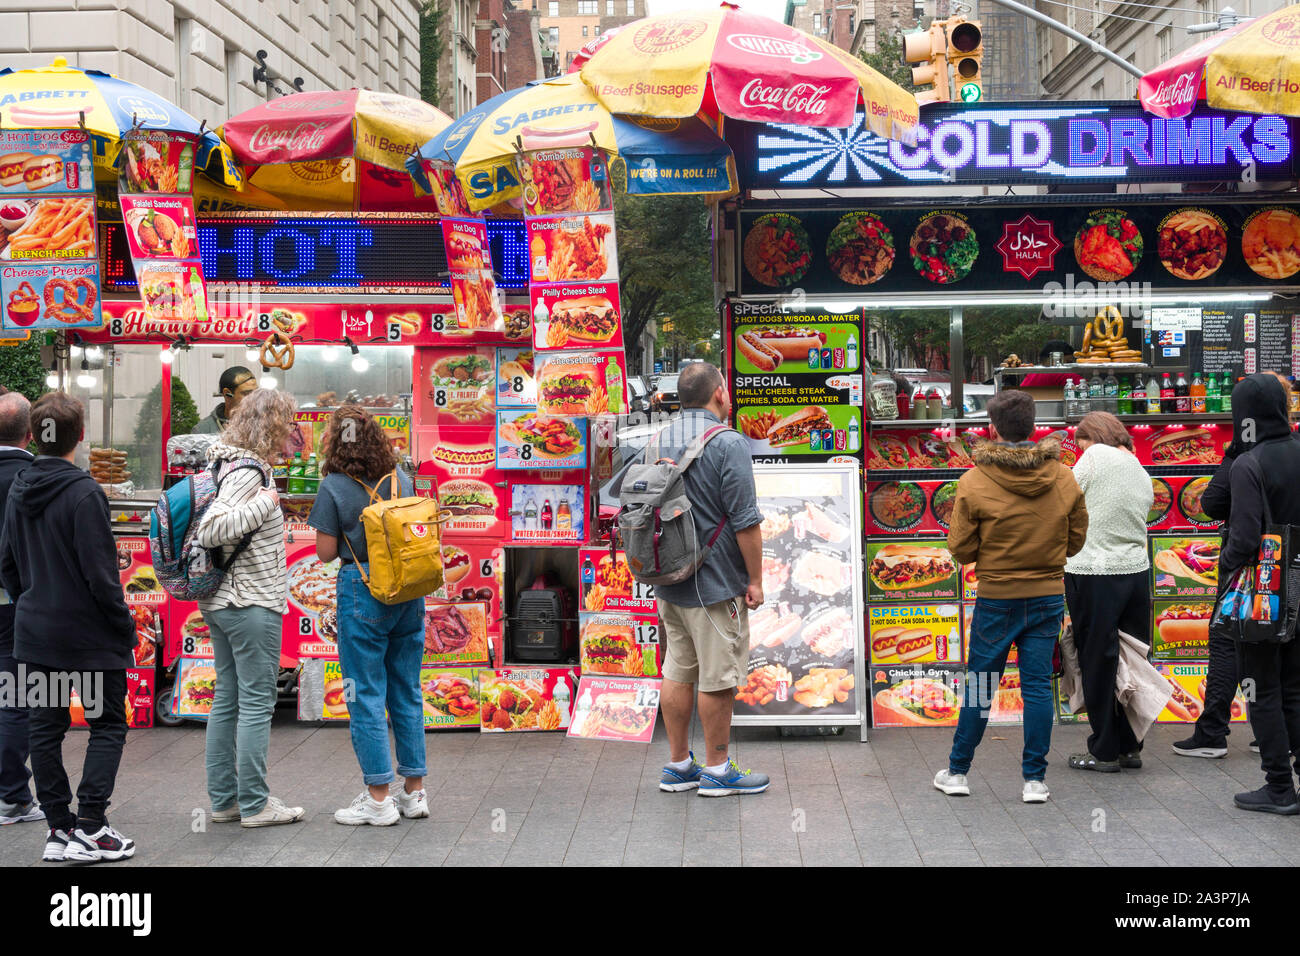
x=1264, y=477
x=16, y=804
x=59, y=564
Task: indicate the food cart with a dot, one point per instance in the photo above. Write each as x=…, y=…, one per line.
x=1156, y=248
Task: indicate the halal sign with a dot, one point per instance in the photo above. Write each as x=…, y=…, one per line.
x=1028, y=246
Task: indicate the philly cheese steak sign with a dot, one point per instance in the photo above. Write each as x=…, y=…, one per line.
x=797, y=382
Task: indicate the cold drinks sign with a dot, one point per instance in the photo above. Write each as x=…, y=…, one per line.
x=1085, y=142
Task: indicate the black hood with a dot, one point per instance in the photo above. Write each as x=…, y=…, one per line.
x=43, y=481
x=1260, y=399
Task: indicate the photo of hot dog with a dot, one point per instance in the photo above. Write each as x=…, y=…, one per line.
x=913, y=644
x=794, y=428
x=11, y=168
x=1190, y=559
x=1184, y=623
x=792, y=344
x=1183, y=704
x=884, y=642
x=455, y=563
x=771, y=626
x=42, y=171
x=758, y=353
x=464, y=251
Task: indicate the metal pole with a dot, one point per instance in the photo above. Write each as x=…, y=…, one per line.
x=957, y=359
x=1075, y=34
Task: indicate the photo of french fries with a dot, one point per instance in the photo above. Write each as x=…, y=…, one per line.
x=59, y=228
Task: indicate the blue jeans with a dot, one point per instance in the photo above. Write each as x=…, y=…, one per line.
x=246, y=654
x=380, y=648
x=1033, y=625
x=14, y=734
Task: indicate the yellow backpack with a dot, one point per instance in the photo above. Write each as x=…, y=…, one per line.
x=403, y=542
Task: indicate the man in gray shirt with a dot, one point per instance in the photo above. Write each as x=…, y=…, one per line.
x=706, y=617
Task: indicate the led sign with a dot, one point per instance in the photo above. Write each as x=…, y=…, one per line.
x=1080, y=142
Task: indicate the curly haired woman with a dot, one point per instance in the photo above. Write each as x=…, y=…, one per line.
x=246, y=615
x=380, y=645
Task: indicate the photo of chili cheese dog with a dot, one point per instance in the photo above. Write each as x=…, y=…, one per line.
x=759, y=353
x=790, y=343
x=1183, y=705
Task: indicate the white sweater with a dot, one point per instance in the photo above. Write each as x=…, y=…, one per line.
x=258, y=576
x=1117, y=492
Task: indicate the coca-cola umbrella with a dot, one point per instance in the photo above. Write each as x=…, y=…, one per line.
x=1249, y=68
x=744, y=66
x=335, y=149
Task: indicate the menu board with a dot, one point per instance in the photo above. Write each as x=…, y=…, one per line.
x=49, y=260
x=894, y=507
x=911, y=569
x=311, y=626
x=916, y=695
x=458, y=466
x=525, y=698
x=478, y=303
x=455, y=386
x=806, y=659
x=613, y=709
x=1274, y=342
x=1185, y=567
x=905, y=634
x=527, y=440
x=1177, y=503
x=798, y=382
x=1188, y=701
x=1180, y=630
x=581, y=384
x=451, y=697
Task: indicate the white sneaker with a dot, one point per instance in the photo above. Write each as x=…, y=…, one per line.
x=953, y=784
x=366, y=809
x=104, y=844
x=412, y=805
x=1035, y=792
x=226, y=816
x=273, y=814
x=56, y=845
x=31, y=812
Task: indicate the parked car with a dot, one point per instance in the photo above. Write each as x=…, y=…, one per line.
x=665, y=398
x=638, y=390
x=975, y=399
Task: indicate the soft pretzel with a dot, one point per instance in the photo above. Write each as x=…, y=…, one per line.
x=1109, y=323
x=277, y=351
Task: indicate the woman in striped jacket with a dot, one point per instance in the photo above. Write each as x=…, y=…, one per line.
x=246, y=614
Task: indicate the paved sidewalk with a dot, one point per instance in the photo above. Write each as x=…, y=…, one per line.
x=539, y=799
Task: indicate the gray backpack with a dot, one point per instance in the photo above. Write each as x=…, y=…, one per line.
x=654, y=517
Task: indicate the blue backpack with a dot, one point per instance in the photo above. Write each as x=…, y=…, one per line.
x=187, y=571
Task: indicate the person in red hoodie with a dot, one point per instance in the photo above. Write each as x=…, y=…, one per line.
x=58, y=562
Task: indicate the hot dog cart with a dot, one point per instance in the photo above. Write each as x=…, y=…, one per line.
x=1157, y=256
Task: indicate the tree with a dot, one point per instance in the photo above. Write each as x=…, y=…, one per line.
x=21, y=369
x=665, y=267
x=144, y=457
x=888, y=60
x=433, y=42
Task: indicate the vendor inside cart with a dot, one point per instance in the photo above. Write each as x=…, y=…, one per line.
x=235, y=384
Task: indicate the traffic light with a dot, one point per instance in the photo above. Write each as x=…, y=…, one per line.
x=966, y=54
x=928, y=47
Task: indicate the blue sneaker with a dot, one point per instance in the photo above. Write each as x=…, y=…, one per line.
x=734, y=780
x=675, y=782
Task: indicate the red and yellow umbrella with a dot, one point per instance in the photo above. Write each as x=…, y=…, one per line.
x=744, y=66
x=1250, y=68
x=335, y=150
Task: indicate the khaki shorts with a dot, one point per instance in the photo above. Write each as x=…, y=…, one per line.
x=708, y=646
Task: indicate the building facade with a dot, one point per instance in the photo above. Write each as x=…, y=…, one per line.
x=566, y=25
x=1145, y=34
x=201, y=54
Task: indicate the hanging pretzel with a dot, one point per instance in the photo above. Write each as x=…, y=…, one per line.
x=277, y=351
x=1108, y=324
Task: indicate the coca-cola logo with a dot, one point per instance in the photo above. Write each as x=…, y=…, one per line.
x=1284, y=31
x=776, y=47
x=804, y=99
x=668, y=34
x=311, y=102
x=1181, y=90
x=299, y=138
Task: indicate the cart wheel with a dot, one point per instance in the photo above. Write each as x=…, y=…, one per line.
x=162, y=708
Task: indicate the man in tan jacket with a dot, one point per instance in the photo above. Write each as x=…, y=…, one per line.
x=1019, y=514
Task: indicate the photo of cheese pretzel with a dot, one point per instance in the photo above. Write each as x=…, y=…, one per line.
x=277, y=352
x=68, y=307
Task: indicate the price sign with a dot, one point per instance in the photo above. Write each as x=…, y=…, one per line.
x=647, y=695
x=394, y=333
x=647, y=632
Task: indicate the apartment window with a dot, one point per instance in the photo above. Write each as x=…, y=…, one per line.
x=553, y=36
x=817, y=23
x=584, y=31
x=596, y=30
x=588, y=8
x=853, y=23
x=1164, y=43
x=609, y=8
x=631, y=8
x=553, y=8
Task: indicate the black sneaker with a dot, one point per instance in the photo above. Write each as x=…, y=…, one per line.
x=104, y=844
x=1194, y=746
x=56, y=845
x=1132, y=761
x=1266, y=801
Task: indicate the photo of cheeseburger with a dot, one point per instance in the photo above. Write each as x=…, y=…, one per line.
x=606, y=647
x=198, y=690
x=467, y=497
